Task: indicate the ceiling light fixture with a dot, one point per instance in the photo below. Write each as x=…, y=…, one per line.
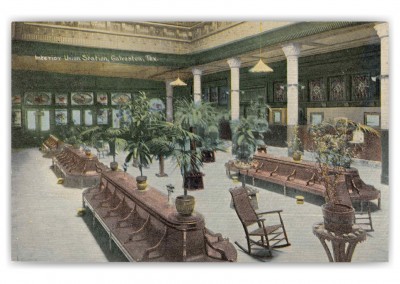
x=178, y=82
x=261, y=67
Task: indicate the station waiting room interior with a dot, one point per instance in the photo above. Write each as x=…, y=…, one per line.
x=292, y=75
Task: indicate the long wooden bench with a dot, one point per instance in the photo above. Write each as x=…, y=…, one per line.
x=76, y=168
x=51, y=146
x=146, y=227
x=302, y=176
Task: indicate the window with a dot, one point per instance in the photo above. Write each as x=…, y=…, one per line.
x=76, y=117
x=38, y=120
x=316, y=117
x=88, y=117
x=61, y=116
x=372, y=119
x=31, y=119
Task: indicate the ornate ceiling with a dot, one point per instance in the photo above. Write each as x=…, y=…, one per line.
x=178, y=38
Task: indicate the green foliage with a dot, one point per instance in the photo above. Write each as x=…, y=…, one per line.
x=295, y=143
x=96, y=135
x=332, y=141
x=72, y=135
x=334, y=151
x=174, y=141
x=141, y=131
x=211, y=141
x=243, y=141
x=189, y=114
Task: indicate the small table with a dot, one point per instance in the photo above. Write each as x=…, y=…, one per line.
x=343, y=244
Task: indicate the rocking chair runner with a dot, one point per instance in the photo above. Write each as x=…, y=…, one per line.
x=270, y=236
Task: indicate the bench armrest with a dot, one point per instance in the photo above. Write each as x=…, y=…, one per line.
x=269, y=212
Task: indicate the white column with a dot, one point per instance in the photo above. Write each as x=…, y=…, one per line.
x=197, y=85
x=383, y=32
x=234, y=64
x=169, y=107
x=292, y=52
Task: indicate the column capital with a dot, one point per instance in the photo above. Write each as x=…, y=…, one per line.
x=382, y=29
x=234, y=62
x=291, y=49
x=197, y=71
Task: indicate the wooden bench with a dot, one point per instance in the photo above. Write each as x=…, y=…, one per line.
x=145, y=227
x=76, y=168
x=51, y=146
x=302, y=176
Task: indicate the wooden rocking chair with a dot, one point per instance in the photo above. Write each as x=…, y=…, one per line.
x=271, y=236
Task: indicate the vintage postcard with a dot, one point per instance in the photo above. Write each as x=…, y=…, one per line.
x=200, y=141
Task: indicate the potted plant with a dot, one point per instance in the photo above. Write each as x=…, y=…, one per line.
x=72, y=136
x=210, y=144
x=334, y=153
x=140, y=132
x=258, y=121
x=295, y=145
x=243, y=143
x=178, y=147
x=97, y=136
x=194, y=117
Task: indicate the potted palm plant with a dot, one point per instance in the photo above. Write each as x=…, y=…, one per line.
x=72, y=136
x=178, y=147
x=97, y=135
x=243, y=143
x=259, y=123
x=141, y=131
x=194, y=117
x=334, y=153
x=210, y=144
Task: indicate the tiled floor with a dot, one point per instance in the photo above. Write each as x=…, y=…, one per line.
x=45, y=226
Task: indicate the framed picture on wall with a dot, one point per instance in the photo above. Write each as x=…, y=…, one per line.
x=38, y=98
x=372, y=119
x=16, y=118
x=82, y=98
x=280, y=94
x=317, y=90
x=16, y=99
x=120, y=98
x=277, y=116
x=102, y=99
x=316, y=117
x=61, y=99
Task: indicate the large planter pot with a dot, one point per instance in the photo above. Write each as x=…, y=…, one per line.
x=114, y=166
x=296, y=156
x=262, y=149
x=208, y=156
x=338, y=218
x=141, y=182
x=185, y=204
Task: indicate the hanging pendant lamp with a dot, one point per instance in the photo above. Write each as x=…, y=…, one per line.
x=178, y=82
x=261, y=67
